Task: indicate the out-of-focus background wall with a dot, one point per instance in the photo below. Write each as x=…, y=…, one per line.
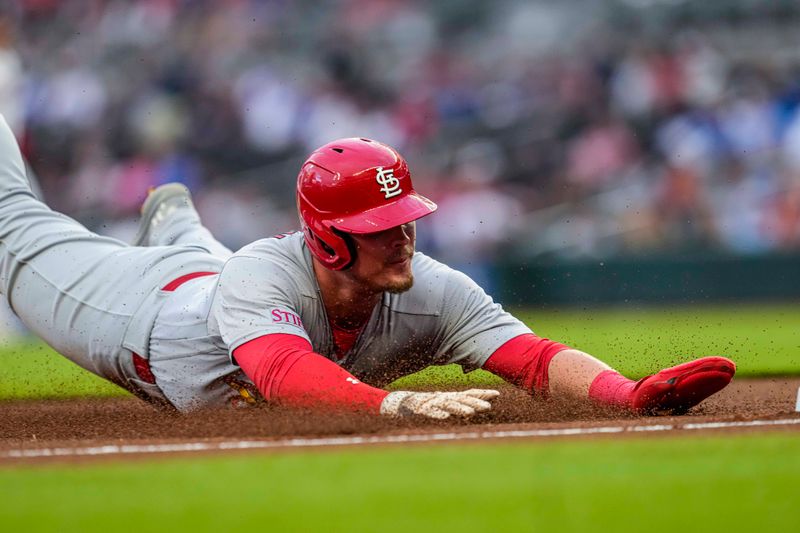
x=580, y=151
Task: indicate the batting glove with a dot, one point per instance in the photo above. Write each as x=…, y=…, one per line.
x=438, y=405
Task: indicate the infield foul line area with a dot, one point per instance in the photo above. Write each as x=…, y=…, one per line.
x=184, y=447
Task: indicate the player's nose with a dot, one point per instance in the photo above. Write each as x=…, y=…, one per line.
x=402, y=235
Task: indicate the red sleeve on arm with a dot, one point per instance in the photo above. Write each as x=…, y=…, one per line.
x=286, y=370
x=524, y=361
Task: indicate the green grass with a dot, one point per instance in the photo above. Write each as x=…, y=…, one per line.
x=33, y=370
x=763, y=340
x=720, y=483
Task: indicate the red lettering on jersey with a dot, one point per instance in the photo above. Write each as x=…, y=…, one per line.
x=282, y=316
x=283, y=235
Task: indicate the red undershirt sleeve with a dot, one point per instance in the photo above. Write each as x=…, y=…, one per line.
x=286, y=370
x=524, y=361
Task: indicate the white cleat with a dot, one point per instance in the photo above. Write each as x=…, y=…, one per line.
x=159, y=205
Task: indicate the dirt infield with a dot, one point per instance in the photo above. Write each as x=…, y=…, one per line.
x=72, y=424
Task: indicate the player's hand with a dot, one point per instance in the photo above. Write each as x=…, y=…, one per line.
x=438, y=405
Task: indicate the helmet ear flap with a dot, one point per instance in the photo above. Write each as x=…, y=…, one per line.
x=325, y=246
x=336, y=255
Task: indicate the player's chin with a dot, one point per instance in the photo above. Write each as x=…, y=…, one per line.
x=399, y=284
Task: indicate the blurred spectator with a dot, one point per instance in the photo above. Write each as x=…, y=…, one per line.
x=11, y=78
x=741, y=206
x=601, y=153
x=782, y=218
x=474, y=215
x=683, y=209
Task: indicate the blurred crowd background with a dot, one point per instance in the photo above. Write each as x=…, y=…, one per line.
x=571, y=129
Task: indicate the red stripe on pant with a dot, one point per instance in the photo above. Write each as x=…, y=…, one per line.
x=141, y=364
x=177, y=282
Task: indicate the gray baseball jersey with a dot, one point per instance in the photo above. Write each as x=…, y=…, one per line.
x=269, y=287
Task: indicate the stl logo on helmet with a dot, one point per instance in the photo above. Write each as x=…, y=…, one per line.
x=390, y=184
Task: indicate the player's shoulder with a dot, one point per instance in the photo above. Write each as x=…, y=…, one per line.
x=284, y=253
x=432, y=280
x=278, y=248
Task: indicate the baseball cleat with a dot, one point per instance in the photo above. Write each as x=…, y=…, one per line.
x=677, y=389
x=160, y=203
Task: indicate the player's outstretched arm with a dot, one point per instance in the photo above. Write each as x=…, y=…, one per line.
x=546, y=367
x=287, y=371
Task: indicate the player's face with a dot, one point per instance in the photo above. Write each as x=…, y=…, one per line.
x=383, y=259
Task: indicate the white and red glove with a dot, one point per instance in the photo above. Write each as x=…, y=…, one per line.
x=438, y=405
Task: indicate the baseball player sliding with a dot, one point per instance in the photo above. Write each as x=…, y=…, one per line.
x=321, y=318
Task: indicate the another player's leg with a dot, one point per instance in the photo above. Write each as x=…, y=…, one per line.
x=169, y=218
x=673, y=390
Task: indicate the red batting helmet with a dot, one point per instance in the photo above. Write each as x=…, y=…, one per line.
x=354, y=186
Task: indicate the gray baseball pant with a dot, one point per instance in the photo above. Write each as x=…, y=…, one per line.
x=92, y=298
